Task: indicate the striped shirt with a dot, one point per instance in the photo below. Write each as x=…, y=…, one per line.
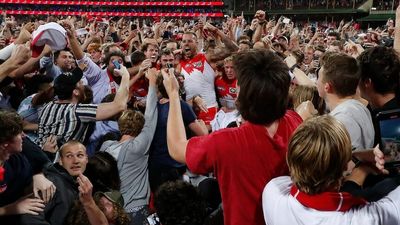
x=65, y=121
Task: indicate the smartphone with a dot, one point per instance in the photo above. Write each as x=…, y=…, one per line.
x=286, y=20
x=389, y=136
x=116, y=64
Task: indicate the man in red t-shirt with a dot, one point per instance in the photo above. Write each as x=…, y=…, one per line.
x=243, y=159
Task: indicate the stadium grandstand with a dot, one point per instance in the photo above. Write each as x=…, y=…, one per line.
x=370, y=11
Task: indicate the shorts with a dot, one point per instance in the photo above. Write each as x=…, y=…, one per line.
x=207, y=116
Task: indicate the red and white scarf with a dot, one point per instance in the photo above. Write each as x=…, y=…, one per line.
x=327, y=201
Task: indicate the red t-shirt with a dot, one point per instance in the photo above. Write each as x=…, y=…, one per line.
x=244, y=160
x=140, y=88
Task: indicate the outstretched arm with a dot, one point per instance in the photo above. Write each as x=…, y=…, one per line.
x=176, y=134
x=220, y=53
x=106, y=110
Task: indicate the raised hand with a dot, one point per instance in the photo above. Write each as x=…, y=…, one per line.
x=151, y=74
x=85, y=189
x=21, y=54
x=170, y=83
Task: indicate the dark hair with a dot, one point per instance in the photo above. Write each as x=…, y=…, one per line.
x=264, y=83
x=10, y=125
x=336, y=34
x=88, y=95
x=108, y=56
x=110, y=136
x=102, y=170
x=43, y=97
x=382, y=66
x=108, y=98
x=34, y=84
x=137, y=57
x=179, y=203
x=145, y=46
x=57, y=53
x=342, y=72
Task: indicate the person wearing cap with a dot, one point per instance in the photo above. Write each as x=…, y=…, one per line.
x=103, y=182
x=67, y=118
x=112, y=205
x=102, y=81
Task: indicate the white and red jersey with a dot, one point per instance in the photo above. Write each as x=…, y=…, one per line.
x=226, y=92
x=199, y=79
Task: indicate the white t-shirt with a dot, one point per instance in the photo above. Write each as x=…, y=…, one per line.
x=358, y=122
x=281, y=208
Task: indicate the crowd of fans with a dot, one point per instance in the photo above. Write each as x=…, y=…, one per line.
x=306, y=4
x=171, y=121
x=78, y=8
x=385, y=4
x=268, y=4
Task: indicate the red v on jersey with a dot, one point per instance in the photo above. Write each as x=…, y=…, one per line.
x=196, y=62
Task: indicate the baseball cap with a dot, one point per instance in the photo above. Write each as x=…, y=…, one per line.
x=52, y=34
x=66, y=82
x=114, y=196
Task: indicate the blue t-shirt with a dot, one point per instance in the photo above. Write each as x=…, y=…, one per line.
x=159, y=150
